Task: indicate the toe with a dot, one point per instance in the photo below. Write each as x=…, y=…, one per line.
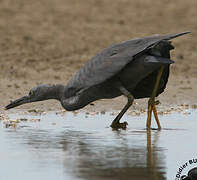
x=124, y=125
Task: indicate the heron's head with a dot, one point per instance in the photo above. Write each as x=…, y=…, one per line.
x=39, y=93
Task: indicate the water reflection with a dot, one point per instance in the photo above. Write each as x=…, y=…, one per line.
x=83, y=148
x=121, y=159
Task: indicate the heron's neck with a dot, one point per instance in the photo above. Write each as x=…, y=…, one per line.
x=56, y=92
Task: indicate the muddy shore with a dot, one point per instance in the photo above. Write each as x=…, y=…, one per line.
x=48, y=41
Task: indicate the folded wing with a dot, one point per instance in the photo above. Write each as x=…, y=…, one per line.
x=113, y=59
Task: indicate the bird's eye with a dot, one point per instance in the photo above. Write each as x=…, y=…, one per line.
x=31, y=93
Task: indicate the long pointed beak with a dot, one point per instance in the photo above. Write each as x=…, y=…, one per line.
x=18, y=102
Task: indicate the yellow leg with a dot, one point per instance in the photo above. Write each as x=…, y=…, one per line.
x=148, y=124
x=151, y=102
x=156, y=116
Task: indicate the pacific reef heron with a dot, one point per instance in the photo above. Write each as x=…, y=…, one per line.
x=137, y=68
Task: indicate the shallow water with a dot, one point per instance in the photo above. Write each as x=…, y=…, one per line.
x=71, y=146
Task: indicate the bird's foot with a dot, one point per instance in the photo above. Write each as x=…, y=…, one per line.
x=118, y=125
x=152, y=108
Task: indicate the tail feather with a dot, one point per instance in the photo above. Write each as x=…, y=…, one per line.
x=172, y=36
x=158, y=60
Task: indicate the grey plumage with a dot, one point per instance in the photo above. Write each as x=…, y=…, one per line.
x=131, y=64
x=112, y=59
x=97, y=79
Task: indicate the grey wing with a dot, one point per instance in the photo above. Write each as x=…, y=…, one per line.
x=97, y=70
x=112, y=60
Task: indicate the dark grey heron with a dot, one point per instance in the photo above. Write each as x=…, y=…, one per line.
x=137, y=68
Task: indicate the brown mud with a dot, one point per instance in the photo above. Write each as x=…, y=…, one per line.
x=47, y=41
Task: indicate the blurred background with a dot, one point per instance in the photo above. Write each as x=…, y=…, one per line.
x=49, y=40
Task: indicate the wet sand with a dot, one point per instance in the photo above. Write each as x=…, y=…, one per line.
x=48, y=41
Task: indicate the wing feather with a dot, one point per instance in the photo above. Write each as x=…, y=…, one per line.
x=113, y=59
